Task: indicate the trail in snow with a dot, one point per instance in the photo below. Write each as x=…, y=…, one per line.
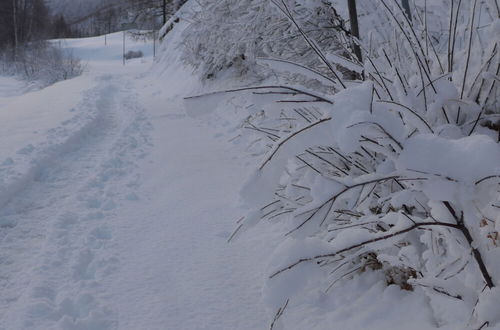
x=184, y=275
x=121, y=219
x=54, y=225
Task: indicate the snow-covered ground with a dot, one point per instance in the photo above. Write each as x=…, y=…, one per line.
x=105, y=52
x=117, y=207
x=118, y=197
x=9, y=87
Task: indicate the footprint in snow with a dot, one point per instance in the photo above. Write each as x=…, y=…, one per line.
x=84, y=313
x=83, y=269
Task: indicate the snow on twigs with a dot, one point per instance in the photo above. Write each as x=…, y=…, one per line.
x=403, y=180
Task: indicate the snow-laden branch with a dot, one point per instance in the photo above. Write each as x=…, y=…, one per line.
x=361, y=244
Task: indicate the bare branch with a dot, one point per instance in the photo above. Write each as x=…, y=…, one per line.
x=361, y=244
x=280, y=143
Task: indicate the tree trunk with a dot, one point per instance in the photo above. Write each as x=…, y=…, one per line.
x=23, y=29
x=164, y=11
x=406, y=7
x=14, y=21
x=353, y=17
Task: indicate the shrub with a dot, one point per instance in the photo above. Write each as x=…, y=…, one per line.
x=398, y=172
x=43, y=62
x=233, y=34
x=133, y=54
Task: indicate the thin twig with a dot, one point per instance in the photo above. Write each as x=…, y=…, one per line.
x=280, y=143
x=410, y=110
x=260, y=87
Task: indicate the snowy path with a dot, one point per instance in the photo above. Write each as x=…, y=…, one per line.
x=124, y=225
x=53, y=224
x=190, y=277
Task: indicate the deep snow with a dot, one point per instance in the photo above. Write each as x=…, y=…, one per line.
x=10, y=86
x=118, y=198
x=117, y=207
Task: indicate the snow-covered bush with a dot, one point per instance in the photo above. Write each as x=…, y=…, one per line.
x=397, y=173
x=41, y=61
x=133, y=54
x=233, y=34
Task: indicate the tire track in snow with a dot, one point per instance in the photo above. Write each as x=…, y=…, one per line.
x=53, y=251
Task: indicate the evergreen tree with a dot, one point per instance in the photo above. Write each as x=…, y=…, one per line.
x=61, y=28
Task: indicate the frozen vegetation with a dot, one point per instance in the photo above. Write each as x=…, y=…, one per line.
x=270, y=168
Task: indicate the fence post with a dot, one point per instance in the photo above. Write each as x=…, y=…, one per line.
x=123, y=47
